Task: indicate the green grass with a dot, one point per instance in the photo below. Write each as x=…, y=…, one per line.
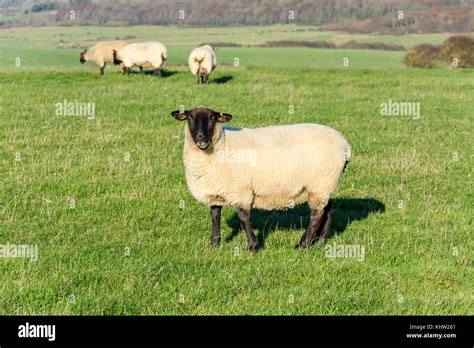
x=248, y=35
x=143, y=204
x=52, y=58
x=60, y=46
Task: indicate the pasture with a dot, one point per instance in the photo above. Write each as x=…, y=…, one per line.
x=105, y=198
x=53, y=47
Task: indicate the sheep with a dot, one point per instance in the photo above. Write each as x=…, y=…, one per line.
x=281, y=166
x=202, y=61
x=101, y=53
x=144, y=54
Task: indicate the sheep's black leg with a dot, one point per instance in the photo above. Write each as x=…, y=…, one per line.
x=244, y=217
x=102, y=70
x=198, y=78
x=323, y=229
x=216, y=224
x=309, y=236
x=141, y=70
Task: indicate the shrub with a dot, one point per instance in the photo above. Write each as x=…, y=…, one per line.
x=461, y=48
x=78, y=2
x=423, y=56
x=221, y=44
x=328, y=44
x=44, y=7
x=294, y=43
x=371, y=46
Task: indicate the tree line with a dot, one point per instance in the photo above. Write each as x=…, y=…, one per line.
x=365, y=16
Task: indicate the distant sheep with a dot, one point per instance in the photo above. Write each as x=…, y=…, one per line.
x=202, y=61
x=101, y=53
x=274, y=167
x=144, y=54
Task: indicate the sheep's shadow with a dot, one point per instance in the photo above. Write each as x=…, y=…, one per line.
x=167, y=73
x=223, y=79
x=345, y=211
x=163, y=73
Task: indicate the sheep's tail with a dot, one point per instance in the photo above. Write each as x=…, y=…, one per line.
x=347, y=155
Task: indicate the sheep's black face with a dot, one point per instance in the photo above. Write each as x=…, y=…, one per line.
x=82, y=59
x=116, y=60
x=202, y=123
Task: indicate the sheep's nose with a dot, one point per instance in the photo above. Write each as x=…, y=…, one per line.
x=200, y=136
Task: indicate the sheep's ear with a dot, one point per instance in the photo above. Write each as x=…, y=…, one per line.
x=181, y=115
x=223, y=118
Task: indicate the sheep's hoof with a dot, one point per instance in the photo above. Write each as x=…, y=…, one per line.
x=215, y=242
x=302, y=245
x=253, y=248
x=322, y=239
x=299, y=246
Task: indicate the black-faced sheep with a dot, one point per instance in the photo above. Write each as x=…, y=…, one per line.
x=284, y=166
x=101, y=53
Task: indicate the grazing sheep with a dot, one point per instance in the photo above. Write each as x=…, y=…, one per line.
x=144, y=54
x=101, y=53
x=202, y=61
x=274, y=167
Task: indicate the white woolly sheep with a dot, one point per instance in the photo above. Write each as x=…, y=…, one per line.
x=143, y=54
x=274, y=167
x=202, y=61
x=101, y=53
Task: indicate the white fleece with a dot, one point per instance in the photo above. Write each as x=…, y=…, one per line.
x=202, y=57
x=143, y=54
x=268, y=168
x=102, y=52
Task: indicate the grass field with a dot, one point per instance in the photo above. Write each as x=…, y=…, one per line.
x=105, y=199
x=60, y=46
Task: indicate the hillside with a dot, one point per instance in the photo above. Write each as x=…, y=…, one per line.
x=364, y=16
